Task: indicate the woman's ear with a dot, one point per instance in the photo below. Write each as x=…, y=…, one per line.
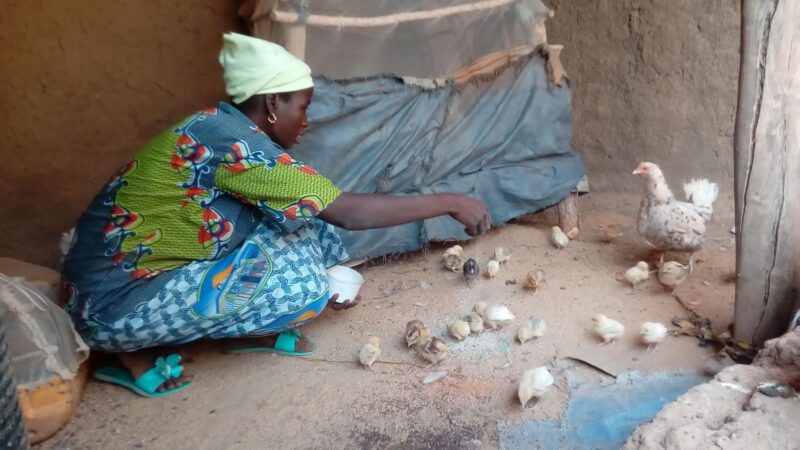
x=272, y=103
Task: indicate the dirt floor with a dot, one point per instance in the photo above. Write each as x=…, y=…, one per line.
x=265, y=401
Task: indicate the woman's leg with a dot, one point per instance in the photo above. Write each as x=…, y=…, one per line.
x=274, y=281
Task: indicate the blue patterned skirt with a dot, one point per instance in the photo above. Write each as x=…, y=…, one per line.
x=274, y=281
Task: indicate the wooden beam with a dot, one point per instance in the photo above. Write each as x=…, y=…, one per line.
x=391, y=19
x=767, y=169
x=568, y=217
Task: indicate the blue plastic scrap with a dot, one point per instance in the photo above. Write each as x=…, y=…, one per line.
x=602, y=416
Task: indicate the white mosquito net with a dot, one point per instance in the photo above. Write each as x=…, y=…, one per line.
x=345, y=39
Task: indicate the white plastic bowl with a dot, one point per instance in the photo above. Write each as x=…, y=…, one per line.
x=344, y=281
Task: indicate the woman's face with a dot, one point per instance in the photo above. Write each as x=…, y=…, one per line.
x=290, y=114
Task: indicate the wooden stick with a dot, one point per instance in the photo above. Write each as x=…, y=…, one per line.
x=353, y=361
x=392, y=19
x=568, y=218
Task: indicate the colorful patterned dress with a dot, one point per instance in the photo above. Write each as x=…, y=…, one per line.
x=208, y=232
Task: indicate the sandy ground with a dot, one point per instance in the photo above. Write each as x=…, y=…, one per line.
x=266, y=401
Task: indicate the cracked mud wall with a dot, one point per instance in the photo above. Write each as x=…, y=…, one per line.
x=82, y=86
x=653, y=80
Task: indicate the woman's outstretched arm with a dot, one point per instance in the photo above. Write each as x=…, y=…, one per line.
x=366, y=211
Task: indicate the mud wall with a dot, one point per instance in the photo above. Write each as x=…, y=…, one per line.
x=653, y=80
x=82, y=86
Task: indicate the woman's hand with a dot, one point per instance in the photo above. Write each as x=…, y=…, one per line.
x=470, y=212
x=347, y=304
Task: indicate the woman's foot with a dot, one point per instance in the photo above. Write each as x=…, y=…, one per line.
x=140, y=362
x=301, y=345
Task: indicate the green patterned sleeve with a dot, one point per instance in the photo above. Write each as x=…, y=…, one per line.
x=280, y=186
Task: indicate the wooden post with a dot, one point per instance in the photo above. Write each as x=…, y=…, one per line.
x=295, y=39
x=568, y=218
x=767, y=169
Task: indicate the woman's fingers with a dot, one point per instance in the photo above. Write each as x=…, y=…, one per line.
x=479, y=225
x=474, y=215
x=486, y=224
x=347, y=304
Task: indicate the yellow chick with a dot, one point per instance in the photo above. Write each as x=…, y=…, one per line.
x=637, y=274
x=413, y=330
x=431, y=348
x=534, y=384
x=533, y=280
x=672, y=274
x=608, y=329
x=453, y=258
x=492, y=268
x=502, y=255
x=653, y=333
x=370, y=352
x=531, y=329
x=459, y=329
x=560, y=239
x=494, y=316
x=475, y=322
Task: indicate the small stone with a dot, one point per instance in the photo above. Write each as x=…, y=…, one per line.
x=424, y=285
x=212, y=411
x=699, y=416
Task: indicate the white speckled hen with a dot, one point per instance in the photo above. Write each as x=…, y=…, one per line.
x=669, y=224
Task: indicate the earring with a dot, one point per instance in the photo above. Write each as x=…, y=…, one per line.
x=271, y=118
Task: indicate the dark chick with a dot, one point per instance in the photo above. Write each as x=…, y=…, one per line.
x=471, y=271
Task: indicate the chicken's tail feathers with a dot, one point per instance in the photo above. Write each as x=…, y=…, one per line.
x=701, y=192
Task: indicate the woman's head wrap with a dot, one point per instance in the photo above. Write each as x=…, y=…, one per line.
x=253, y=66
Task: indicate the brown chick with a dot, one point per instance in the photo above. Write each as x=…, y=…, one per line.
x=431, y=348
x=533, y=280
x=413, y=331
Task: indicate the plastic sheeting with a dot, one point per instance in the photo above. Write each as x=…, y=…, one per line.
x=505, y=141
x=42, y=342
x=422, y=38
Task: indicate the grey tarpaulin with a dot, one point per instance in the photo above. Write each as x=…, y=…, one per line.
x=505, y=141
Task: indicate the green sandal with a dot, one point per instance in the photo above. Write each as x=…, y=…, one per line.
x=148, y=382
x=284, y=345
